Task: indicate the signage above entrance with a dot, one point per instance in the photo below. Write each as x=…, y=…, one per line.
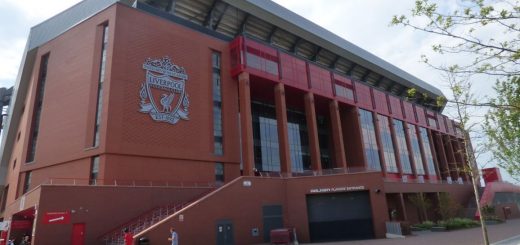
x=163, y=94
x=337, y=189
x=56, y=218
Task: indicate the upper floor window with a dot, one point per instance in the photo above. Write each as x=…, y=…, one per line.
x=369, y=139
x=404, y=154
x=387, y=143
x=217, y=105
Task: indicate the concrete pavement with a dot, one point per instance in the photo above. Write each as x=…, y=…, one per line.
x=507, y=233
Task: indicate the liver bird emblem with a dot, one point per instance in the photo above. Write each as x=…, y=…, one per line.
x=166, y=102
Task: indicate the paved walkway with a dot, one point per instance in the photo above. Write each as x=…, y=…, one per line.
x=473, y=236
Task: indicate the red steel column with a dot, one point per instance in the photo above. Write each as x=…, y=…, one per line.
x=337, y=135
x=281, y=122
x=403, y=206
x=312, y=129
x=246, y=124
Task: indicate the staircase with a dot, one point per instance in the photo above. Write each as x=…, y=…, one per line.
x=140, y=223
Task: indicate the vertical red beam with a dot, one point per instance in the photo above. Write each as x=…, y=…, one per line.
x=246, y=123
x=337, y=135
x=452, y=164
x=403, y=206
x=463, y=160
x=442, y=154
x=312, y=129
x=281, y=122
x=436, y=161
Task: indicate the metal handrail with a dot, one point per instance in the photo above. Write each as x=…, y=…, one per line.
x=426, y=181
x=323, y=172
x=147, y=219
x=128, y=183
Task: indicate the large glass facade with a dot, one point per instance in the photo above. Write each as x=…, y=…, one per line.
x=217, y=105
x=324, y=141
x=266, y=144
x=369, y=139
x=298, y=141
x=404, y=154
x=427, y=151
x=416, y=150
x=388, y=144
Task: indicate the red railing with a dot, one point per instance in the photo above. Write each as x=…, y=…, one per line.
x=323, y=172
x=128, y=183
x=145, y=220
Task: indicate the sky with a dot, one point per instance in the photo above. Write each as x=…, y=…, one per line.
x=364, y=23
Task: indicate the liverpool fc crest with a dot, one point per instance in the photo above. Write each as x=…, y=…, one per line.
x=163, y=94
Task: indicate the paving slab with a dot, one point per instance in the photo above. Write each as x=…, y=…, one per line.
x=497, y=233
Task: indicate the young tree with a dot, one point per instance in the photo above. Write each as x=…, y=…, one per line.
x=496, y=56
x=423, y=204
x=465, y=114
x=462, y=108
x=467, y=27
x=503, y=126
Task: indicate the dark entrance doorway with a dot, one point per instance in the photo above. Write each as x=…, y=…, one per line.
x=273, y=219
x=225, y=233
x=340, y=216
x=22, y=224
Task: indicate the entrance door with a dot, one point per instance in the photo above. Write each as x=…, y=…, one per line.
x=273, y=219
x=340, y=216
x=225, y=233
x=78, y=234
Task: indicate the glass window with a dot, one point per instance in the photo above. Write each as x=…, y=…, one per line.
x=219, y=172
x=404, y=154
x=27, y=182
x=265, y=135
x=102, y=67
x=427, y=150
x=369, y=140
x=432, y=122
x=419, y=167
x=94, y=170
x=38, y=105
x=387, y=143
x=344, y=91
x=261, y=61
x=218, y=138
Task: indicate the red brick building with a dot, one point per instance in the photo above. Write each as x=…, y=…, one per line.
x=224, y=119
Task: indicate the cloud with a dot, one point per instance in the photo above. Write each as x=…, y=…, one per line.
x=15, y=22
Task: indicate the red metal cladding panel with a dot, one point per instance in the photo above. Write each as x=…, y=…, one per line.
x=408, y=110
x=441, y=122
x=236, y=55
x=294, y=71
x=263, y=48
x=344, y=90
x=364, y=99
x=320, y=81
x=261, y=60
x=431, y=119
x=342, y=79
x=421, y=117
x=395, y=104
x=381, y=102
